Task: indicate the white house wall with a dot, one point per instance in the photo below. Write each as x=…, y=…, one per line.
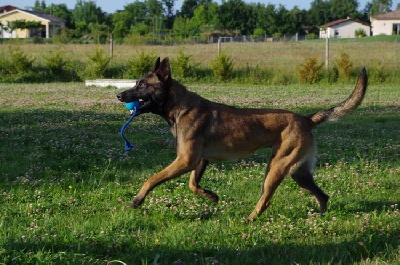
x=347, y=29
x=383, y=26
x=344, y=30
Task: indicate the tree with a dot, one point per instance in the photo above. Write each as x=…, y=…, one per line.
x=204, y=19
x=85, y=13
x=270, y=20
x=343, y=8
x=60, y=11
x=319, y=13
x=169, y=8
x=233, y=15
x=296, y=19
x=39, y=6
x=380, y=6
x=188, y=7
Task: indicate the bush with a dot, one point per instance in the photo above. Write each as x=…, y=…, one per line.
x=20, y=62
x=55, y=62
x=181, y=66
x=360, y=33
x=138, y=66
x=97, y=64
x=309, y=71
x=344, y=65
x=252, y=75
x=60, y=68
x=222, y=67
x=376, y=74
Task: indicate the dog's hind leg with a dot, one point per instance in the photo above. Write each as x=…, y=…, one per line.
x=275, y=173
x=285, y=159
x=305, y=179
x=195, y=178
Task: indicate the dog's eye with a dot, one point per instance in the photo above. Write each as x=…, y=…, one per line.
x=142, y=85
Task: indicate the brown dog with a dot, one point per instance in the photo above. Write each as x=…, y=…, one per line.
x=208, y=131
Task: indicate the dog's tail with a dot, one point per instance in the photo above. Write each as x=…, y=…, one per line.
x=346, y=106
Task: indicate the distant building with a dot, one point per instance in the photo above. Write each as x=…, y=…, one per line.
x=343, y=28
x=48, y=29
x=387, y=24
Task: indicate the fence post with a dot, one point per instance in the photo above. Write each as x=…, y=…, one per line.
x=111, y=45
x=327, y=53
x=219, y=45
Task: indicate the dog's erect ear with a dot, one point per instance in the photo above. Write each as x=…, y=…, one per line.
x=164, y=70
x=157, y=64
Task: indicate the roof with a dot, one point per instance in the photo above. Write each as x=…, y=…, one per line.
x=7, y=8
x=340, y=21
x=389, y=15
x=46, y=16
x=36, y=14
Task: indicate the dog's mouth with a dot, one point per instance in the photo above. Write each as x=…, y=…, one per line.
x=145, y=103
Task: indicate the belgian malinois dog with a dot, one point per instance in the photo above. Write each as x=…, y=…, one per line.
x=208, y=131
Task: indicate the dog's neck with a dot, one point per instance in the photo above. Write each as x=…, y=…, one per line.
x=179, y=100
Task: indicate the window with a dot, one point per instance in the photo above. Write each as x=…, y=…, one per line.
x=396, y=29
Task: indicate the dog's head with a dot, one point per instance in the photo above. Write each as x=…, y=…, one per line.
x=151, y=89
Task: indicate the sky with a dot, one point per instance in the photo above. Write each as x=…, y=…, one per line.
x=110, y=6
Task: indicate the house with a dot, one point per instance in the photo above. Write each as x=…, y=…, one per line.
x=387, y=24
x=48, y=28
x=343, y=28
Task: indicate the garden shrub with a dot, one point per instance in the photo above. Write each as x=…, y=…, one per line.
x=222, y=67
x=20, y=63
x=59, y=68
x=344, y=66
x=309, y=71
x=97, y=64
x=181, y=66
x=17, y=66
x=140, y=65
x=55, y=62
x=253, y=75
x=376, y=74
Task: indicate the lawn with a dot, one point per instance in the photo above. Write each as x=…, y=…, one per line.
x=66, y=183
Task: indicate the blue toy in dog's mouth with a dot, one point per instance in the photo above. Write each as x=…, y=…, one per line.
x=133, y=108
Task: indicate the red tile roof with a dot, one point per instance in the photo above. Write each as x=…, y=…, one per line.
x=389, y=15
x=339, y=21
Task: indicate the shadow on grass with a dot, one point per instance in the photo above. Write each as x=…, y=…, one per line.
x=35, y=141
x=95, y=251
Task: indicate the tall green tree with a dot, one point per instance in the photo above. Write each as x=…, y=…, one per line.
x=343, y=8
x=188, y=7
x=61, y=11
x=319, y=13
x=131, y=16
x=233, y=15
x=85, y=13
x=39, y=6
x=169, y=12
x=380, y=6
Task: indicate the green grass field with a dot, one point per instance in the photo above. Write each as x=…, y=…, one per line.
x=66, y=184
x=280, y=59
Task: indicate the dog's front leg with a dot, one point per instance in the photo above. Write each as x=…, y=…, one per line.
x=177, y=168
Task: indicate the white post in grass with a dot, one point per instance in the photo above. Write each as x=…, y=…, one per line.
x=219, y=45
x=111, y=45
x=327, y=53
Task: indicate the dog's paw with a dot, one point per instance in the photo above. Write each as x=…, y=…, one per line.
x=136, y=202
x=253, y=216
x=211, y=195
